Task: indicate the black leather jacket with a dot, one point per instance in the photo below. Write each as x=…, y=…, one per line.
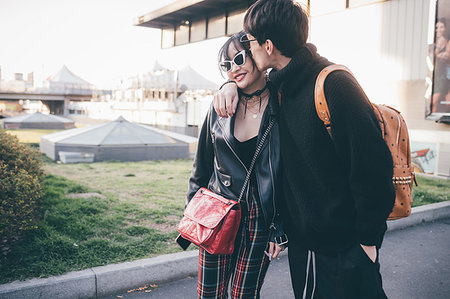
x=218, y=167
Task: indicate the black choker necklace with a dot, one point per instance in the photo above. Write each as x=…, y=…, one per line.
x=256, y=93
x=247, y=97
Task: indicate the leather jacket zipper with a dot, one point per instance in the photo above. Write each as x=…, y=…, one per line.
x=213, y=140
x=273, y=185
x=260, y=200
x=273, y=189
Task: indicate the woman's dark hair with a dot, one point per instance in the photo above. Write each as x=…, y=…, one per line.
x=442, y=20
x=284, y=22
x=235, y=40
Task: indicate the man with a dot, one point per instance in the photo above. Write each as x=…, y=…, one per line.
x=338, y=192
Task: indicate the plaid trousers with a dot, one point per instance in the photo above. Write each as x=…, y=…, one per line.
x=246, y=267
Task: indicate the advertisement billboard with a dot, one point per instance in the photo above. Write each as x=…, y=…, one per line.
x=439, y=63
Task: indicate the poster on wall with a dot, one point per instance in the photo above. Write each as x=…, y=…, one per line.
x=423, y=157
x=439, y=57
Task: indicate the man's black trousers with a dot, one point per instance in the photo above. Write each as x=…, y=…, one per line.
x=347, y=275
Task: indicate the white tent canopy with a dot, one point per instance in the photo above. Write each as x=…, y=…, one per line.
x=38, y=120
x=64, y=75
x=117, y=140
x=184, y=79
x=193, y=80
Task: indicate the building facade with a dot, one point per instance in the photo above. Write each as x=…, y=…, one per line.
x=169, y=99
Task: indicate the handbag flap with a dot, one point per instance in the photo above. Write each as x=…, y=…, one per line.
x=207, y=208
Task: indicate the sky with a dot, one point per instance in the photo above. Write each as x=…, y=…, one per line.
x=95, y=39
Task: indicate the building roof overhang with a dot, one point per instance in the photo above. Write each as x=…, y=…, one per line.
x=183, y=11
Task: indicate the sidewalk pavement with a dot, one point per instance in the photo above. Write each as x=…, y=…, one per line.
x=415, y=264
x=116, y=278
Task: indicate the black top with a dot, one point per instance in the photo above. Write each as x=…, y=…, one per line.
x=337, y=192
x=246, y=151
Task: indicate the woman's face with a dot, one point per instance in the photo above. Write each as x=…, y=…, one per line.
x=244, y=75
x=440, y=29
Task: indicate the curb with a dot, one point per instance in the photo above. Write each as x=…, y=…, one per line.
x=106, y=280
x=421, y=214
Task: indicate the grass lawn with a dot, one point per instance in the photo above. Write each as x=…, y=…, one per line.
x=152, y=193
x=430, y=190
x=30, y=135
x=143, y=202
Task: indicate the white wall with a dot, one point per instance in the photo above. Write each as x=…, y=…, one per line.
x=385, y=45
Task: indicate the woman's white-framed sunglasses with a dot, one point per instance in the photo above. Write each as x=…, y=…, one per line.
x=238, y=60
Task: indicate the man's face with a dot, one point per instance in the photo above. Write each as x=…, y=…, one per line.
x=260, y=56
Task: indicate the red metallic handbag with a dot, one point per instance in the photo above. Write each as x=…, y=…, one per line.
x=211, y=221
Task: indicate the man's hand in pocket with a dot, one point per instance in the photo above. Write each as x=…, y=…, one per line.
x=371, y=252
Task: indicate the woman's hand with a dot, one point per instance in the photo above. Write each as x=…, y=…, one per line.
x=226, y=100
x=274, y=250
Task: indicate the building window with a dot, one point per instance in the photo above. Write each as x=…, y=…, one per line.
x=356, y=3
x=216, y=26
x=235, y=21
x=198, y=31
x=167, y=37
x=303, y=3
x=182, y=34
x=322, y=7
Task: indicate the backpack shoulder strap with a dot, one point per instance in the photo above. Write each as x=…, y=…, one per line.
x=319, y=94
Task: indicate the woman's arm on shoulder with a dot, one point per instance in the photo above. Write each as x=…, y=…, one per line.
x=226, y=99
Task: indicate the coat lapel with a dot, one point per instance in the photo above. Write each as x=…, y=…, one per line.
x=227, y=125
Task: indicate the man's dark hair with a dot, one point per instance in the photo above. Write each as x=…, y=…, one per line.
x=284, y=22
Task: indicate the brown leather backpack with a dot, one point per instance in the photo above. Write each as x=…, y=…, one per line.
x=395, y=133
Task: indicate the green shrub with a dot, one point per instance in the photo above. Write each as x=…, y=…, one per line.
x=20, y=190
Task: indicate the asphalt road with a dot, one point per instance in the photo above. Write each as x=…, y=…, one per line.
x=415, y=264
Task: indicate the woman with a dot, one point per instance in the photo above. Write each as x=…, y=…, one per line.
x=225, y=149
x=440, y=74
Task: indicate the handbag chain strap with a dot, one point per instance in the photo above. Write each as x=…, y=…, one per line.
x=258, y=149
